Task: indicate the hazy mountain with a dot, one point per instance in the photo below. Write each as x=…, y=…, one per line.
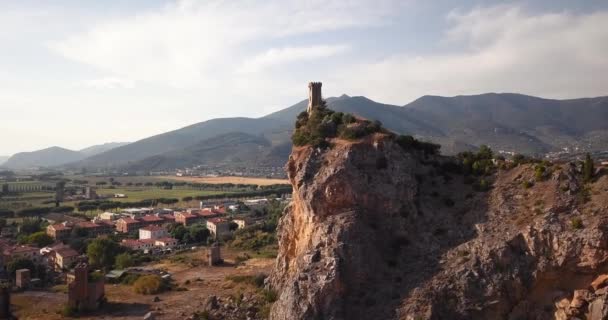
x=184, y=137
x=510, y=122
x=515, y=122
x=229, y=150
x=49, y=157
x=100, y=148
x=3, y=159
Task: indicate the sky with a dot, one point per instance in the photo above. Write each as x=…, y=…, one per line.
x=79, y=73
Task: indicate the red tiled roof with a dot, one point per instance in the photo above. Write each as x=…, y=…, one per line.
x=87, y=225
x=152, y=228
x=129, y=220
x=187, y=215
x=59, y=227
x=20, y=249
x=151, y=218
x=168, y=217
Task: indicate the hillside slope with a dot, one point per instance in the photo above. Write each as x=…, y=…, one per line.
x=53, y=156
x=100, y=148
x=234, y=149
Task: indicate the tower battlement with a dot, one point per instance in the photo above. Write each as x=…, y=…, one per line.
x=314, y=95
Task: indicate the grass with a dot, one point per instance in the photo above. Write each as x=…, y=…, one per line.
x=142, y=193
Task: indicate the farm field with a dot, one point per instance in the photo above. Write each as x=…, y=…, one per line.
x=139, y=193
x=234, y=180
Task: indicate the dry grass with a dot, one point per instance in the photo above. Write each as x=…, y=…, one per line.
x=234, y=180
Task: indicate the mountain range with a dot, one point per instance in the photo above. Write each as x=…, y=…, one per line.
x=55, y=156
x=504, y=121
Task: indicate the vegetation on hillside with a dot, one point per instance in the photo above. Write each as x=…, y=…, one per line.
x=322, y=124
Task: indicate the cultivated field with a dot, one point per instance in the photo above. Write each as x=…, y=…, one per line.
x=234, y=180
x=142, y=193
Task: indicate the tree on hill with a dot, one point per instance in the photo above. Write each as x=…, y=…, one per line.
x=39, y=239
x=19, y=264
x=124, y=260
x=103, y=252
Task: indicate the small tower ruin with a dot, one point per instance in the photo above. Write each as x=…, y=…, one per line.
x=314, y=96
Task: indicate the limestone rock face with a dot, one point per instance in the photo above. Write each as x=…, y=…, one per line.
x=378, y=232
x=333, y=237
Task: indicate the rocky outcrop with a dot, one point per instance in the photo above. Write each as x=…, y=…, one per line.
x=337, y=235
x=378, y=232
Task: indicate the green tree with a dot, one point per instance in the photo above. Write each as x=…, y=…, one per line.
x=198, y=233
x=588, y=168
x=124, y=260
x=18, y=264
x=40, y=239
x=30, y=225
x=103, y=252
x=178, y=232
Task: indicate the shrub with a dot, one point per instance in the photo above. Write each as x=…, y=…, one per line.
x=270, y=296
x=576, y=223
x=148, y=284
x=254, y=280
x=68, y=311
x=527, y=184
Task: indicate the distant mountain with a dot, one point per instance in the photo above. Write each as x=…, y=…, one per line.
x=3, y=159
x=230, y=150
x=100, y=148
x=53, y=156
x=515, y=122
x=509, y=122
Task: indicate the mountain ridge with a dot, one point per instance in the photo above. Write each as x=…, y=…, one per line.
x=506, y=121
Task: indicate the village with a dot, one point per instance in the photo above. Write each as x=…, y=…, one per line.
x=85, y=257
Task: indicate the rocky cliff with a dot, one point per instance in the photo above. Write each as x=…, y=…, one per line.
x=377, y=231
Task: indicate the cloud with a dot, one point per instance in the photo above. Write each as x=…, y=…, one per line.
x=497, y=49
x=189, y=43
x=109, y=83
x=279, y=56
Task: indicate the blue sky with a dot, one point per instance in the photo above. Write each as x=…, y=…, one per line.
x=78, y=73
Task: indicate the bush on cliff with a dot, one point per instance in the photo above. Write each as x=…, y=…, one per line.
x=315, y=128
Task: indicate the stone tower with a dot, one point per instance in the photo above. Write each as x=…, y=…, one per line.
x=314, y=95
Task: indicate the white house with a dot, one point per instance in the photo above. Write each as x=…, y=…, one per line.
x=152, y=232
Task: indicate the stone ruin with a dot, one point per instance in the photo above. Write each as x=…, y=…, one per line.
x=315, y=99
x=214, y=255
x=22, y=278
x=85, y=293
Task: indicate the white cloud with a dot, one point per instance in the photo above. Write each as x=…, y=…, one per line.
x=189, y=43
x=109, y=83
x=502, y=49
x=279, y=56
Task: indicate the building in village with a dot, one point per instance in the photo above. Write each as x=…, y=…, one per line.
x=64, y=258
x=62, y=231
x=218, y=226
x=152, y=232
x=186, y=218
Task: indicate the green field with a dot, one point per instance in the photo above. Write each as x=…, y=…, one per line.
x=139, y=193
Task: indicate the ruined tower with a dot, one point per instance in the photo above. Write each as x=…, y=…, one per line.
x=314, y=95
